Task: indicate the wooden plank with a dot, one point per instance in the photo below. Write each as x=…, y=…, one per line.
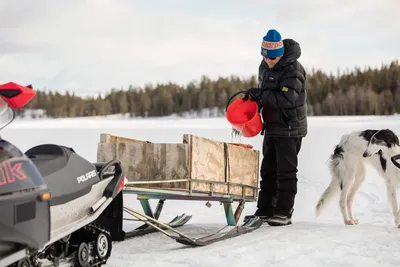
x=243, y=168
x=148, y=161
x=108, y=138
x=207, y=162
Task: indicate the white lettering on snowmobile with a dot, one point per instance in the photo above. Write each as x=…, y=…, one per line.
x=86, y=176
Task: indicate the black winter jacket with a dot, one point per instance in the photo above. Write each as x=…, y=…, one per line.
x=283, y=94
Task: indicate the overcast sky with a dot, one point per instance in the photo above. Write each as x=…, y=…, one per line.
x=91, y=46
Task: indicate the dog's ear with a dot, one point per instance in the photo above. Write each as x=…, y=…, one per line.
x=367, y=134
x=391, y=138
x=396, y=139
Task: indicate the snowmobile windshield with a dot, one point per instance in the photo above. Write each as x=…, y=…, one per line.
x=17, y=172
x=7, y=113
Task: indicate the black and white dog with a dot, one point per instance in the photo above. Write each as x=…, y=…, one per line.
x=347, y=168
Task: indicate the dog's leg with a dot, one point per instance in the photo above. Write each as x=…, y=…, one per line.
x=389, y=173
x=348, y=178
x=391, y=194
x=359, y=179
x=343, y=201
x=392, y=199
x=346, y=185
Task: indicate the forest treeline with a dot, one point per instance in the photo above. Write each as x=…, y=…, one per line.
x=368, y=91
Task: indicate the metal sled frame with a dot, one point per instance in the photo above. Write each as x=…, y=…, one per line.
x=150, y=218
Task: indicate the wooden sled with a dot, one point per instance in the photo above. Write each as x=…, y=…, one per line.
x=198, y=169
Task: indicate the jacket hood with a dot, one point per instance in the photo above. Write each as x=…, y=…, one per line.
x=292, y=51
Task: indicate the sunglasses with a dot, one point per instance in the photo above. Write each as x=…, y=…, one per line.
x=271, y=58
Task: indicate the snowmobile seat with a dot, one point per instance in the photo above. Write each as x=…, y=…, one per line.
x=62, y=169
x=48, y=158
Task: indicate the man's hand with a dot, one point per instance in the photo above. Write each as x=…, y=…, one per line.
x=253, y=94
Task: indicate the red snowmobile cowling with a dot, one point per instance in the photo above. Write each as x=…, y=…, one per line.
x=17, y=95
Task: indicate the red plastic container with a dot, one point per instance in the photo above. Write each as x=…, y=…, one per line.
x=244, y=117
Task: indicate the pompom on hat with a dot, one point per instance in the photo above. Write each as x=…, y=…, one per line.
x=272, y=45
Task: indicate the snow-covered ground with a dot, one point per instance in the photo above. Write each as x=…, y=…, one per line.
x=308, y=242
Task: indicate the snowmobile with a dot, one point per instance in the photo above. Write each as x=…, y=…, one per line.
x=56, y=208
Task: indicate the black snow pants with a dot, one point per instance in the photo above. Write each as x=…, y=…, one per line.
x=278, y=185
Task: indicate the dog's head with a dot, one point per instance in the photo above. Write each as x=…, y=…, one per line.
x=380, y=140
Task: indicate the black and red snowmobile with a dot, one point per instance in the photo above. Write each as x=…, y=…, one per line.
x=56, y=208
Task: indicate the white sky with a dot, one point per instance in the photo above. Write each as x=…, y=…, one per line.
x=91, y=46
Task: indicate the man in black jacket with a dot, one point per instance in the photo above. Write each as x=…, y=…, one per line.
x=281, y=93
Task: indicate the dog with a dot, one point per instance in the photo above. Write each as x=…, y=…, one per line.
x=347, y=166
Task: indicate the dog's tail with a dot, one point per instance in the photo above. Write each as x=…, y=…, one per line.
x=334, y=187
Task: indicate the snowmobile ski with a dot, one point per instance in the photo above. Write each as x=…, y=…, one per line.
x=225, y=233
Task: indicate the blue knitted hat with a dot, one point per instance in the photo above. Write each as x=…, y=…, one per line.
x=272, y=45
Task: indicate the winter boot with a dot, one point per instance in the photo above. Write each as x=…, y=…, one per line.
x=280, y=219
x=263, y=215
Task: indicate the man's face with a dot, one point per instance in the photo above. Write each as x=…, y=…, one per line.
x=272, y=61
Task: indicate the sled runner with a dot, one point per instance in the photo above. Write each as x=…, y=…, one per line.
x=152, y=224
x=199, y=169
